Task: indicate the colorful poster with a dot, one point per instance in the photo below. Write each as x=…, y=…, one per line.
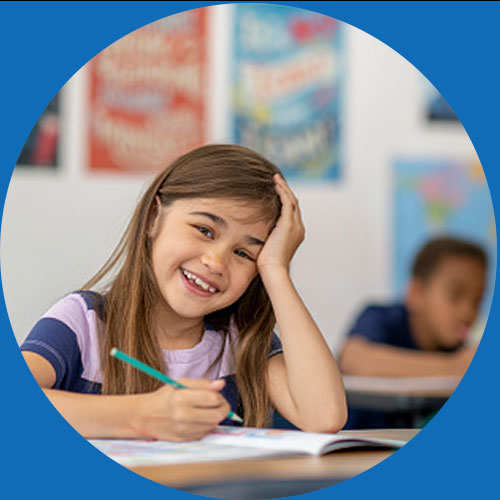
x=286, y=81
x=440, y=197
x=41, y=147
x=147, y=95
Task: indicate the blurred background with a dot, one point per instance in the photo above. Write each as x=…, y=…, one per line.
x=376, y=156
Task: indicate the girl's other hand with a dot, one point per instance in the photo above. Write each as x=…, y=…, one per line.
x=288, y=233
x=172, y=414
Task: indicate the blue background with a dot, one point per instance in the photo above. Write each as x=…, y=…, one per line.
x=454, y=44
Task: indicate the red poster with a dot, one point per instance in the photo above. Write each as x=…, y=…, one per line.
x=147, y=95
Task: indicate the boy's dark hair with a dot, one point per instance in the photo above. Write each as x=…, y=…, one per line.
x=430, y=256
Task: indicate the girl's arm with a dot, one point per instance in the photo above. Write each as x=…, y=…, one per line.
x=305, y=384
x=168, y=413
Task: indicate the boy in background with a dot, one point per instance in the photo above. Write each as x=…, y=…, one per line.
x=426, y=335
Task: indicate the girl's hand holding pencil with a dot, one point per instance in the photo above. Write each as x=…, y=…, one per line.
x=182, y=415
x=179, y=415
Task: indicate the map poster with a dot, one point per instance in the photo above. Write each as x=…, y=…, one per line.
x=434, y=197
x=41, y=149
x=147, y=95
x=286, y=81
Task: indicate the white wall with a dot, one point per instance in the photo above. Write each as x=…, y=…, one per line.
x=59, y=227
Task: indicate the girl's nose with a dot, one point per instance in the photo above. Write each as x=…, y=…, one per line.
x=214, y=259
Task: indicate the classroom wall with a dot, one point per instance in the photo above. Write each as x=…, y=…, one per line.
x=59, y=226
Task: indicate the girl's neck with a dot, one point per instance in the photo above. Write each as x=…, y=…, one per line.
x=178, y=333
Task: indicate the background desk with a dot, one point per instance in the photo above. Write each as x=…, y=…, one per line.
x=273, y=477
x=410, y=399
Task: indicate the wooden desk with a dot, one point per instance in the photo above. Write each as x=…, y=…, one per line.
x=317, y=472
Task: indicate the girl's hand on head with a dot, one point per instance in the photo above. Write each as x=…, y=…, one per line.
x=288, y=233
x=172, y=414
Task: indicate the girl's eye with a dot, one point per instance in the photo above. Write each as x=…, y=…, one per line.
x=241, y=253
x=204, y=230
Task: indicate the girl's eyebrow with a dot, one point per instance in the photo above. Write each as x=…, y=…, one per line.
x=214, y=218
x=253, y=241
x=221, y=222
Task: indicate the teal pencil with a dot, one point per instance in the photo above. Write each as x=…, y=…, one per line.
x=143, y=367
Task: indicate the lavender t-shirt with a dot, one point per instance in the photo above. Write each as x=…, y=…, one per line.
x=67, y=336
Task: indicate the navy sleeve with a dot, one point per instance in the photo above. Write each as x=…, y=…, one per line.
x=276, y=347
x=56, y=342
x=386, y=324
x=371, y=324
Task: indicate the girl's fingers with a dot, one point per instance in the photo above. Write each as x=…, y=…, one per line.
x=201, y=398
x=204, y=407
x=283, y=185
x=202, y=383
x=288, y=197
x=206, y=416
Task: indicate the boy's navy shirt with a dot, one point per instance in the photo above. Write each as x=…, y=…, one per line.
x=382, y=324
x=386, y=325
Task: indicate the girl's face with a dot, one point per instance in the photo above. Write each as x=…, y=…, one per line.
x=204, y=254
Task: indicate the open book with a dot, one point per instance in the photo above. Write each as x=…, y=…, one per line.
x=231, y=443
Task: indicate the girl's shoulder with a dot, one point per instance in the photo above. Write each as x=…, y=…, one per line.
x=68, y=336
x=77, y=303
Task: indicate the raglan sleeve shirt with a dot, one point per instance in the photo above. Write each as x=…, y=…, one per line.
x=66, y=336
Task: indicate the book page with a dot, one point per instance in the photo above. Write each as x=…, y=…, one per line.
x=231, y=443
x=272, y=439
x=135, y=452
x=224, y=443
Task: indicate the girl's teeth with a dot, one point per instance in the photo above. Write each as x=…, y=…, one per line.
x=199, y=282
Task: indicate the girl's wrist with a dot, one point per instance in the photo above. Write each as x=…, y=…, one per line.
x=134, y=423
x=274, y=274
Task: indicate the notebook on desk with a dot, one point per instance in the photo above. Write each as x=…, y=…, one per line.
x=231, y=443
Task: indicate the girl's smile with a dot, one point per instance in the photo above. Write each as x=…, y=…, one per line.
x=204, y=254
x=198, y=284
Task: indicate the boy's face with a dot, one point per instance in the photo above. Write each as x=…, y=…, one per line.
x=446, y=305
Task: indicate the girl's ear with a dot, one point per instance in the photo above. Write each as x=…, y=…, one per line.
x=154, y=218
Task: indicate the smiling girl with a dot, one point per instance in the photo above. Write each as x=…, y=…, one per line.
x=195, y=289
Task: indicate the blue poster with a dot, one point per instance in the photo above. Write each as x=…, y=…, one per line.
x=434, y=197
x=286, y=80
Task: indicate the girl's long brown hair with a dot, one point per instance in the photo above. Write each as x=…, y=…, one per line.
x=213, y=171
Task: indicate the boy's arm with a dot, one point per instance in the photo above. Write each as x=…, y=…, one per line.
x=363, y=357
